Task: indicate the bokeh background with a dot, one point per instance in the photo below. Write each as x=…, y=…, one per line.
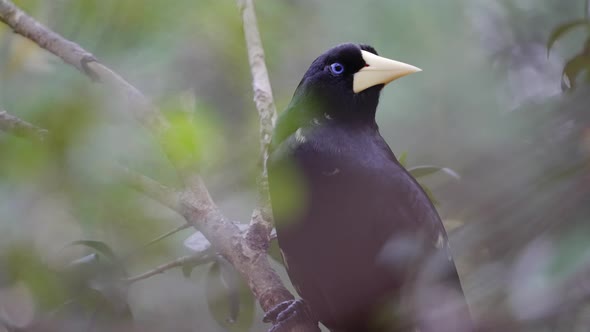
x=492, y=104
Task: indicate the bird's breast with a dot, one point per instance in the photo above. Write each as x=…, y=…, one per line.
x=332, y=243
x=352, y=148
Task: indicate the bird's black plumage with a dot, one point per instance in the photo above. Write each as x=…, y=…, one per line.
x=363, y=235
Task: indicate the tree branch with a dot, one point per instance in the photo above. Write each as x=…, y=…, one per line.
x=15, y=126
x=260, y=81
x=259, y=232
x=246, y=254
x=74, y=55
x=261, y=223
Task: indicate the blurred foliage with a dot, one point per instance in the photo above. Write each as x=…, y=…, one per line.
x=229, y=299
x=488, y=106
x=580, y=63
x=195, y=137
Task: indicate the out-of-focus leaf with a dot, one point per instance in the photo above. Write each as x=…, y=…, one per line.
x=572, y=254
x=573, y=68
x=564, y=173
x=25, y=54
x=96, y=285
x=403, y=158
x=195, y=137
x=99, y=246
x=20, y=264
x=230, y=279
x=229, y=299
x=274, y=251
x=17, y=306
x=563, y=29
x=424, y=170
x=187, y=268
x=532, y=293
x=24, y=160
x=88, y=259
x=197, y=242
x=429, y=194
x=292, y=193
x=217, y=295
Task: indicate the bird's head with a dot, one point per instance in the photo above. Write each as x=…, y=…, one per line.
x=346, y=81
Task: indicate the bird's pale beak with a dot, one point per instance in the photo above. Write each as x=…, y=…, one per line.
x=379, y=70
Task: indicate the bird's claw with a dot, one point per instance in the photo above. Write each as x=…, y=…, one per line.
x=285, y=313
x=272, y=315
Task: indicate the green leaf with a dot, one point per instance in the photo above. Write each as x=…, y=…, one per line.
x=290, y=199
x=187, y=270
x=403, y=158
x=99, y=246
x=275, y=252
x=88, y=259
x=229, y=298
x=429, y=193
x=22, y=264
x=573, y=68
x=195, y=135
x=188, y=267
x=424, y=170
x=96, y=284
x=563, y=29
x=230, y=279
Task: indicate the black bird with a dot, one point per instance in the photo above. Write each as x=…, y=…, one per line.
x=362, y=243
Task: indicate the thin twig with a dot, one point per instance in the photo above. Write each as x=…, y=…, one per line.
x=259, y=233
x=261, y=221
x=260, y=81
x=150, y=187
x=18, y=127
x=167, y=234
x=199, y=258
x=155, y=240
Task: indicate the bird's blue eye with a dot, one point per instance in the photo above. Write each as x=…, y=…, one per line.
x=336, y=68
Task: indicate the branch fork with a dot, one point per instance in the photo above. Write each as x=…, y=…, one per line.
x=246, y=251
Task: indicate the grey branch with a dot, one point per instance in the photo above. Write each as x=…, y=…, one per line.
x=74, y=55
x=195, y=203
x=258, y=235
x=261, y=221
x=15, y=126
x=260, y=81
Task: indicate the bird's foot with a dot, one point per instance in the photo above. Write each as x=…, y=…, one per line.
x=288, y=313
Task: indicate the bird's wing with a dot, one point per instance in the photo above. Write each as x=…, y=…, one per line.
x=361, y=206
x=411, y=210
x=419, y=233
